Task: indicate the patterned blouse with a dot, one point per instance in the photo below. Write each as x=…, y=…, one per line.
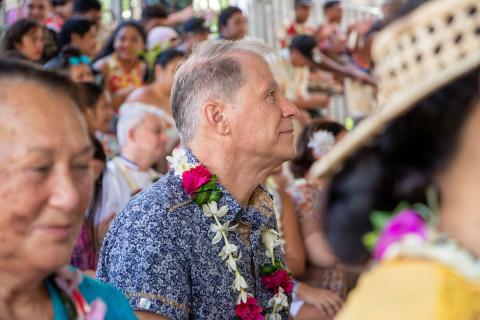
x=308, y=200
x=118, y=79
x=159, y=252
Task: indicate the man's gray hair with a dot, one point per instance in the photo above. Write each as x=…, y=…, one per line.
x=212, y=71
x=132, y=114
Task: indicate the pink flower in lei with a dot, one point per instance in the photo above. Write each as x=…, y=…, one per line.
x=403, y=223
x=98, y=310
x=195, y=178
x=280, y=278
x=249, y=310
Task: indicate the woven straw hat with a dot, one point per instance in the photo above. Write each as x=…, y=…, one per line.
x=419, y=53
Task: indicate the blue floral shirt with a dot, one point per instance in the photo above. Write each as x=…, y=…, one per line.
x=159, y=252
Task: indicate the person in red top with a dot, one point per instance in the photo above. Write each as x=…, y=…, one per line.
x=299, y=26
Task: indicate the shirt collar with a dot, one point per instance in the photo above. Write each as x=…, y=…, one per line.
x=128, y=163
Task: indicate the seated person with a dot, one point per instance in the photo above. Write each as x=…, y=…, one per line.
x=142, y=138
x=99, y=113
x=24, y=40
x=73, y=64
x=45, y=188
x=157, y=94
x=80, y=33
x=194, y=31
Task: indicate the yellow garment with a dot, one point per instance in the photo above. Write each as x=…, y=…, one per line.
x=408, y=289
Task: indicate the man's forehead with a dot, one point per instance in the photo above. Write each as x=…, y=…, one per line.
x=255, y=66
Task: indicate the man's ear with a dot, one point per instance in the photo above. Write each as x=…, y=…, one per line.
x=215, y=117
x=132, y=134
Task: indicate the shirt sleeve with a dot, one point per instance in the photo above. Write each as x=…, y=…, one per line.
x=144, y=258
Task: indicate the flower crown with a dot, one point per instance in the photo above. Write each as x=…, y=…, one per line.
x=321, y=142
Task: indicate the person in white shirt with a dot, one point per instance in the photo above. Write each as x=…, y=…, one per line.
x=141, y=134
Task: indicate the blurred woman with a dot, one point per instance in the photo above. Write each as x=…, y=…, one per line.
x=24, y=40
x=45, y=189
x=120, y=63
x=405, y=184
x=157, y=94
x=99, y=113
x=315, y=141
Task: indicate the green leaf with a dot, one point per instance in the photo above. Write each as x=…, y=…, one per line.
x=425, y=211
x=379, y=219
x=401, y=206
x=269, y=269
x=201, y=198
x=215, y=196
x=370, y=239
x=432, y=198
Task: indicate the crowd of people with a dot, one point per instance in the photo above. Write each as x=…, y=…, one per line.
x=163, y=171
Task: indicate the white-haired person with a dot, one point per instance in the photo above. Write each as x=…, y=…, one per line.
x=202, y=242
x=141, y=133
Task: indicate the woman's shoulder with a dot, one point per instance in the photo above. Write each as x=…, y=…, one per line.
x=411, y=289
x=117, y=305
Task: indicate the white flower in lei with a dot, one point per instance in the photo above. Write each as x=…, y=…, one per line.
x=271, y=239
x=178, y=161
x=230, y=253
x=321, y=142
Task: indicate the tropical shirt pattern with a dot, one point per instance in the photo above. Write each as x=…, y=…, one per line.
x=159, y=252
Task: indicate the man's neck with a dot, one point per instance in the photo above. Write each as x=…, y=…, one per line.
x=238, y=173
x=133, y=156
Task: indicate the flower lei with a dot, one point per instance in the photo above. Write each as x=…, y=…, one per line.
x=68, y=281
x=201, y=185
x=410, y=232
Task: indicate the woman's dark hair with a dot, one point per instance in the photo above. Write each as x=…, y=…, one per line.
x=155, y=11
x=108, y=49
x=95, y=202
x=398, y=165
x=84, y=6
x=168, y=55
x=78, y=26
x=91, y=93
x=17, y=31
x=304, y=159
x=28, y=72
x=226, y=14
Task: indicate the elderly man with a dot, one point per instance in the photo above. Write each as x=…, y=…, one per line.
x=201, y=243
x=141, y=136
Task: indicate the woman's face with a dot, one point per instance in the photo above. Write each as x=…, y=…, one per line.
x=128, y=44
x=31, y=44
x=81, y=73
x=165, y=75
x=459, y=185
x=45, y=177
